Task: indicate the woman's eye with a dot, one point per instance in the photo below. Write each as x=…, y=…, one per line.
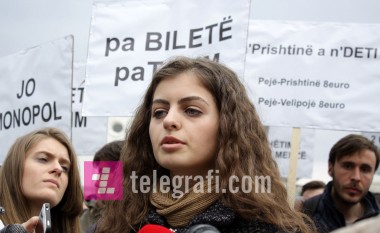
x=193, y=112
x=42, y=159
x=159, y=114
x=65, y=169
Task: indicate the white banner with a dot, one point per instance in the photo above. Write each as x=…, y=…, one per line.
x=316, y=75
x=35, y=90
x=280, y=140
x=89, y=134
x=129, y=40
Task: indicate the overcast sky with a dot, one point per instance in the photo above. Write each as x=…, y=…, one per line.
x=25, y=23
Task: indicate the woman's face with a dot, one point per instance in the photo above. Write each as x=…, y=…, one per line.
x=184, y=125
x=45, y=177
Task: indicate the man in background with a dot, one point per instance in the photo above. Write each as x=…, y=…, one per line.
x=353, y=161
x=312, y=189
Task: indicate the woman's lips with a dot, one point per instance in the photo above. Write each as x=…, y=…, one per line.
x=53, y=182
x=171, y=144
x=171, y=140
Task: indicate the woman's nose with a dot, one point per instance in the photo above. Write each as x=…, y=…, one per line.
x=57, y=169
x=172, y=120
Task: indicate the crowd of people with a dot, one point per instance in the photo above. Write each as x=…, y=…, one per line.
x=195, y=129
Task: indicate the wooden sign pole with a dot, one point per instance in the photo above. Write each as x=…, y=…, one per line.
x=292, y=175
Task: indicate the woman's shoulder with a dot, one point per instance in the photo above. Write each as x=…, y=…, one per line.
x=241, y=225
x=225, y=219
x=228, y=221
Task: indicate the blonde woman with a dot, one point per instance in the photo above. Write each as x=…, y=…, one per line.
x=41, y=167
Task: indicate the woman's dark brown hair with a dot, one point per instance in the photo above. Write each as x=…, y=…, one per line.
x=242, y=150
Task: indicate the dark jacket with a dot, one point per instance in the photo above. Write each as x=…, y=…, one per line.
x=219, y=216
x=13, y=228
x=325, y=215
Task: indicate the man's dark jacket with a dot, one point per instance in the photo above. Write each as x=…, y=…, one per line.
x=325, y=215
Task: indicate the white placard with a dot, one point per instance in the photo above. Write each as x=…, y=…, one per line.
x=374, y=137
x=129, y=40
x=89, y=134
x=316, y=75
x=35, y=90
x=280, y=140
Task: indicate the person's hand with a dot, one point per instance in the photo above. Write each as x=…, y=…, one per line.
x=31, y=224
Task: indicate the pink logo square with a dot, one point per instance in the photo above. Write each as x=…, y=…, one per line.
x=103, y=180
